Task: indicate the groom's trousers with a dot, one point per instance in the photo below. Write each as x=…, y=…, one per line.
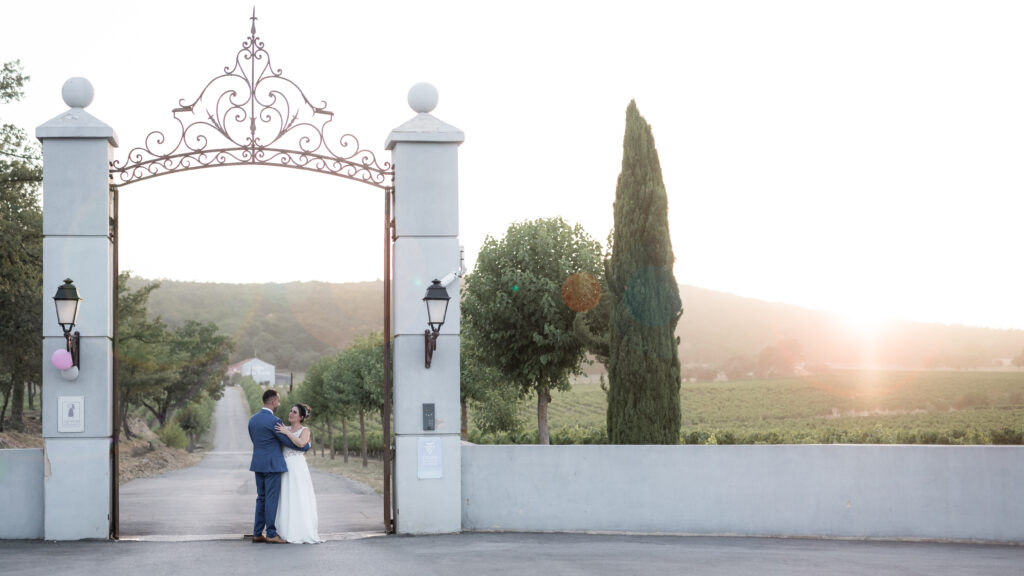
x=268, y=492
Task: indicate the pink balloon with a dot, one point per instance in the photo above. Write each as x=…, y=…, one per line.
x=61, y=359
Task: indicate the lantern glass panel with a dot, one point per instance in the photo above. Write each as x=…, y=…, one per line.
x=67, y=312
x=436, y=311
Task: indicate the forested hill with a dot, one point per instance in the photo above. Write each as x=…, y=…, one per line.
x=293, y=324
x=289, y=325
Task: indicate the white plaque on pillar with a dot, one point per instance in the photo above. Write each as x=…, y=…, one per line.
x=428, y=457
x=70, y=414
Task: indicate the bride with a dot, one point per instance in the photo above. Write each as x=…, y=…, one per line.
x=297, y=520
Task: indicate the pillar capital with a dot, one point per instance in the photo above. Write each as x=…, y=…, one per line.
x=424, y=127
x=76, y=122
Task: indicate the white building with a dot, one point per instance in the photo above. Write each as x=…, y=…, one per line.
x=260, y=371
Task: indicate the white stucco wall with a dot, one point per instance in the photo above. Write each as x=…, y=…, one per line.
x=21, y=494
x=854, y=491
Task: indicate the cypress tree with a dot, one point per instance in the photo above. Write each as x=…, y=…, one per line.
x=643, y=364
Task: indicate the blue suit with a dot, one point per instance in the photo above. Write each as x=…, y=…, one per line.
x=268, y=464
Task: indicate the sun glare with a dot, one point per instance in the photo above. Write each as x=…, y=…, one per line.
x=863, y=323
x=866, y=330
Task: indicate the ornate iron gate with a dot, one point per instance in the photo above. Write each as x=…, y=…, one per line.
x=253, y=115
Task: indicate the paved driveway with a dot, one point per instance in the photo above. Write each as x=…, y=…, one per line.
x=217, y=497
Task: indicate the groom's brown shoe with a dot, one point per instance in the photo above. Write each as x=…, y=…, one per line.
x=260, y=538
x=276, y=540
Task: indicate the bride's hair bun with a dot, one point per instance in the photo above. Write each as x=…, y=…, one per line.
x=304, y=411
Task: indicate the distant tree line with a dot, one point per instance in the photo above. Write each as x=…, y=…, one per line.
x=344, y=388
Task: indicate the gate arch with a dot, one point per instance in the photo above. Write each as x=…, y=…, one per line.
x=252, y=115
x=258, y=117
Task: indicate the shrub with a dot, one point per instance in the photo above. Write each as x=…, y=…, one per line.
x=195, y=419
x=1007, y=435
x=253, y=393
x=172, y=435
x=579, y=435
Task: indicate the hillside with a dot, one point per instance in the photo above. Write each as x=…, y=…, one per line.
x=289, y=325
x=717, y=326
x=293, y=324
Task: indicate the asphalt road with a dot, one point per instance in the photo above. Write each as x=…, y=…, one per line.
x=216, y=498
x=516, y=555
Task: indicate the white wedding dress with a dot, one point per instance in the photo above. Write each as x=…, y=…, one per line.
x=297, y=520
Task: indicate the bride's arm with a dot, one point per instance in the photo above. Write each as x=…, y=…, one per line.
x=300, y=442
x=305, y=439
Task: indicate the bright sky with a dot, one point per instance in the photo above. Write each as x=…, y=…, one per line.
x=864, y=157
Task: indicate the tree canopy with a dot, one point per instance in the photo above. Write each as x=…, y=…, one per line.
x=514, y=311
x=21, y=249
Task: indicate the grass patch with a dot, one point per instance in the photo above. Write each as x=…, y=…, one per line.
x=372, y=475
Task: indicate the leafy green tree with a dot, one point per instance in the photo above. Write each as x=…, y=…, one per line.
x=195, y=419
x=514, y=311
x=494, y=401
x=199, y=358
x=592, y=328
x=643, y=363
x=142, y=351
x=324, y=396
x=360, y=371
x=21, y=264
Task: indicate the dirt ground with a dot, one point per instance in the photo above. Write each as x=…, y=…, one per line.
x=144, y=455
x=141, y=457
x=32, y=437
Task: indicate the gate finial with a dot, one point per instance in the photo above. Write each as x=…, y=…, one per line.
x=253, y=29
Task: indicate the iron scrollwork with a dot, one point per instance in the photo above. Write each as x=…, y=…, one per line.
x=252, y=115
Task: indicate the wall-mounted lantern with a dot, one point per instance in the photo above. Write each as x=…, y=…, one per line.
x=436, y=299
x=67, y=300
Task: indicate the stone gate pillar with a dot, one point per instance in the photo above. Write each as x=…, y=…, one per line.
x=428, y=471
x=77, y=149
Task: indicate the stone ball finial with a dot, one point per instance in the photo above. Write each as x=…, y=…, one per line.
x=423, y=97
x=77, y=92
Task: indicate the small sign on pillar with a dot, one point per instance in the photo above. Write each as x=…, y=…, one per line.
x=428, y=457
x=70, y=414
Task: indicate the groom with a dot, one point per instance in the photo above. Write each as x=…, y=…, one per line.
x=268, y=464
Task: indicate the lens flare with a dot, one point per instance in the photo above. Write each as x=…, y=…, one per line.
x=652, y=298
x=581, y=292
